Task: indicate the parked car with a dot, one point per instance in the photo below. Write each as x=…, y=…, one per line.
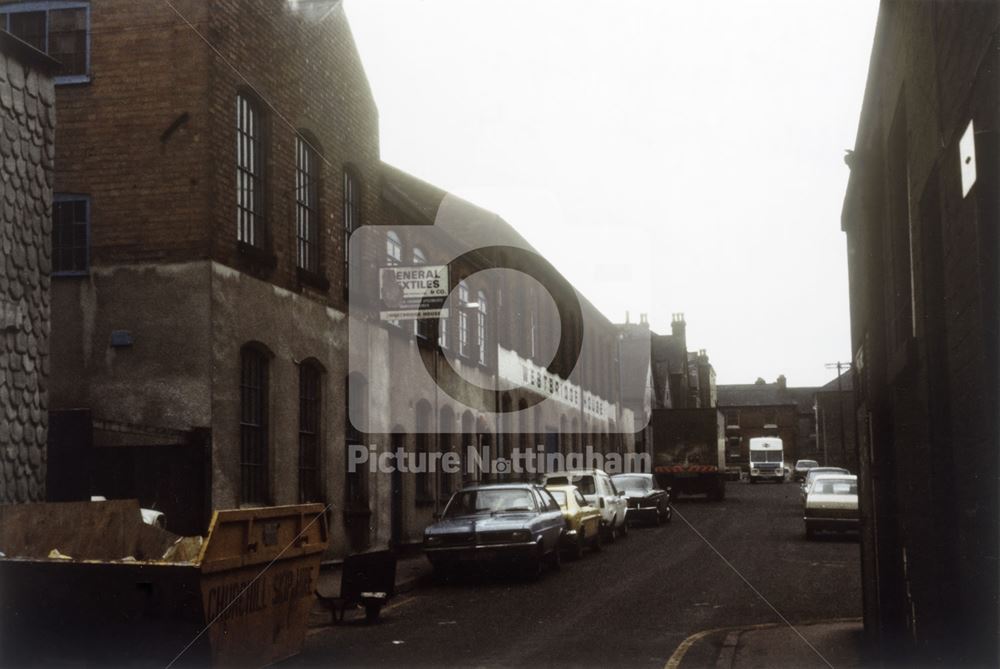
x=801, y=468
x=832, y=504
x=647, y=502
x=583, y=522
x=514, y=524
x=600, y=492
x=817, y=471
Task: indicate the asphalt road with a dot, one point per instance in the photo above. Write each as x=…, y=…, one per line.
x=630, y=605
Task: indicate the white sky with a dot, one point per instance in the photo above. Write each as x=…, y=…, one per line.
x=665, y=156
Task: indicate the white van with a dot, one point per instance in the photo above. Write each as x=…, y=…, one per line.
x=767, y=459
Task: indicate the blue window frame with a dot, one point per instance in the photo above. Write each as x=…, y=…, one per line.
x=70, y=234
x=60, y=28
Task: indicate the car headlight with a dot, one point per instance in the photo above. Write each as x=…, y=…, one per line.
x=432, y=540
x=520, y=535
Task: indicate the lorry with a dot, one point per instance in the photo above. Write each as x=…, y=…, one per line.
x=767, y=459
x=689, y=455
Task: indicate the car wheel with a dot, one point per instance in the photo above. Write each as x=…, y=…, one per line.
x=670, y=513
x=753, y=480
x=609, y=532
x=623, y=528
x=441, y=573
x=596, y=543
x=555, y=560
x=576, y=552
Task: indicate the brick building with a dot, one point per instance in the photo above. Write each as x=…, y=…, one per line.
x=920, y=216
x=214, y=160
x=27, y=110
x=768, y=410
x=682, y=379
x=836, y=437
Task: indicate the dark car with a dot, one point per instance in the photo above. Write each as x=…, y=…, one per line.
x=647, y=502
x=802, y=467
x=510, y=524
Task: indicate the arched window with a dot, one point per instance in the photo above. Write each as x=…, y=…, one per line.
x=393, y=248
x=251, y=147
x=310, y=421
x=352, y=218
x=307, y=180
x=564, y=444
x=422, y=438
x=468, y=441
x=421, y=326
x=484, y=446
x=446, y=423
x=356, y=479
x=463, y=320
x=524, y=436
x=254, y=456
x=481, y=336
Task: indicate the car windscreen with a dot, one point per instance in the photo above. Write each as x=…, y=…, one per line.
x=560, y=496
x=471, y=502
x=835, y=487
x=813, y=473
x=765, y=456
x=637, y=483
x=804, y=464
x=585, y=484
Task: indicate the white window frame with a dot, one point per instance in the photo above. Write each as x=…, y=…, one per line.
x=463, y=320
x=481, y=334
x=19, y=8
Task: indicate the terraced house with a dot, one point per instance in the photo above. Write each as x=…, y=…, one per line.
x=213, y=161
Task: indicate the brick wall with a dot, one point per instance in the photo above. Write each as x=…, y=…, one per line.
x=26, y=150
x=927, y=406
x=152, y=136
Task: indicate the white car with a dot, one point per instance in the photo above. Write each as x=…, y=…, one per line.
x=831, y=504
x=813, y=473
x=600, y=492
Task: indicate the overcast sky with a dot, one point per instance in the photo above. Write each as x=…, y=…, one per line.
x=665, y=156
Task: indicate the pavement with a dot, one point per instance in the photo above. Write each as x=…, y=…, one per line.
x=835, y=643
x=411, y=570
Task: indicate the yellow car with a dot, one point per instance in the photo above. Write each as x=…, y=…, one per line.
x=583, y=522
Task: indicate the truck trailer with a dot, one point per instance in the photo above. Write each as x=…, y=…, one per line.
x=689, y=452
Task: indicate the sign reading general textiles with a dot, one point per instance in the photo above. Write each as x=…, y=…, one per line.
x=408, y=293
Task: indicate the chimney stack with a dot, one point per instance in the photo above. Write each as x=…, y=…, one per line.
x=677, y=325
x=782, y=382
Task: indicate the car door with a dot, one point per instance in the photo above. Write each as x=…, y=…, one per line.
x=555, y=523
x=618, y=501
x=592, y=520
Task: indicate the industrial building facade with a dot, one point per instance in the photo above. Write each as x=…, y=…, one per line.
x=920, y=215
x=214, y=160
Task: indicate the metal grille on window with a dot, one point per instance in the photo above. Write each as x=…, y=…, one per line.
x=306, y=205
x=309, y=433
x=249, y=211
x=70, y=246
x=253, y=427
